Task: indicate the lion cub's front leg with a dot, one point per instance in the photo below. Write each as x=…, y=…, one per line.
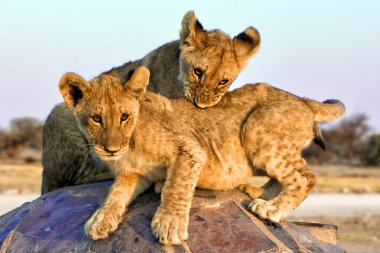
x=107, y=218
x=171, y=220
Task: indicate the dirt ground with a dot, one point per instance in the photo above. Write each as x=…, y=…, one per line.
x=20, y=178
x=344, y=196
x=356, y=215
x=356, y=234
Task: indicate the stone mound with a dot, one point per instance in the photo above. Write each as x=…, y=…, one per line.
x=219, y=222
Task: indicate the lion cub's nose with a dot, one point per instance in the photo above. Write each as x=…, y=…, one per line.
x=111, y=149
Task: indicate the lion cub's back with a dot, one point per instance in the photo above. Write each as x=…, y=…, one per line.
x=63, y=145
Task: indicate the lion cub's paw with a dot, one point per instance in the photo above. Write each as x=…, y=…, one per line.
x=100, y=225
x=252, y=191
x=170, y=228
x=158, y=186
x=266, y=210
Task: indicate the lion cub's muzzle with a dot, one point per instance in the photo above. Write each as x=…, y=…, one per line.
x=203, y=102
x=110, y=153
x=112, y=150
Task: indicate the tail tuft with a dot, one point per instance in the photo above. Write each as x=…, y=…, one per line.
x=318, y=137
x=332, y=101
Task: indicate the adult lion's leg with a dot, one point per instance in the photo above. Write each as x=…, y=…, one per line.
x=122, y=192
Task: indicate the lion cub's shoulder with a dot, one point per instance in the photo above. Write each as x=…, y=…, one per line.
x=157, y=102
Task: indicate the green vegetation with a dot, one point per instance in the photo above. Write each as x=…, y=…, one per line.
x=23, y=141
x=349, y=142
x=372, y=151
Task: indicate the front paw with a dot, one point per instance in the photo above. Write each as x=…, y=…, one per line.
x=101, y=224
x=266, y=210
x=170, y=228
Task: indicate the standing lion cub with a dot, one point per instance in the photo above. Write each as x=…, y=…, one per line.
x=201, y=65
x=146, y=138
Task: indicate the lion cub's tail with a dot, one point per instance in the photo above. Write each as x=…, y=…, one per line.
x=328, y=110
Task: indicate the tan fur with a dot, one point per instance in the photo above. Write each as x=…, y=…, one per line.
x=172, y=65
x=213, y=148
x=216, y=57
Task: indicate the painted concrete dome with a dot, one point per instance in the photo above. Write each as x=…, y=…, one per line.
x=219, y=222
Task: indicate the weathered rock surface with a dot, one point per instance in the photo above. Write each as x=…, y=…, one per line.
x=219, y=222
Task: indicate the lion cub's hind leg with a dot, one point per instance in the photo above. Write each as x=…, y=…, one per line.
x=297, y=181
x=273, y=137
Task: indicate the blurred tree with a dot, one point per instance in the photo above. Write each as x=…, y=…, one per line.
x=348, y=136
x=343, y=141
x=371, y=151
x=314, y=154
x=26, y=132
x=4, y=140
x=23, y=141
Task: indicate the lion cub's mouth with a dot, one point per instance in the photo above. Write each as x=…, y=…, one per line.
x=110, y=155
x=195, y=98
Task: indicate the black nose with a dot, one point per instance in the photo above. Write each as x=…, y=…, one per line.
x=111, y=150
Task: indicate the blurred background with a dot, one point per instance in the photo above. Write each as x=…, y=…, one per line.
x=317, y=49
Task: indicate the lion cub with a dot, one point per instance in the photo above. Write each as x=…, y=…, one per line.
x=147, y=138
x=200, y=65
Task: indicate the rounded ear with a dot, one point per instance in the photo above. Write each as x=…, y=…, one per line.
x=192, y=31
x=73, y=88
x=246, y=44
x=136, y=85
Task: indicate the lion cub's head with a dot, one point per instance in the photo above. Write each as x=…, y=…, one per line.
x=105, y=109
x=210, y=60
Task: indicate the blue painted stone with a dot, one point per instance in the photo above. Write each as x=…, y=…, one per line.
x=55, y=222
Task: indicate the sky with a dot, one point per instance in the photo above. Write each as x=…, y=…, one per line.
x=318, y=49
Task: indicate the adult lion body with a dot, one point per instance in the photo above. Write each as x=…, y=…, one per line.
x=201, y=65
x=148, y=138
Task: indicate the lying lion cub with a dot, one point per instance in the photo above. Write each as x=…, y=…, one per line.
x=201, y=65
x=147, y=138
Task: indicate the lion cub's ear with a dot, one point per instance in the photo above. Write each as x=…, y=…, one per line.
x=246, y=44
x=136, y=85
x=192, y=32
x=73, y=88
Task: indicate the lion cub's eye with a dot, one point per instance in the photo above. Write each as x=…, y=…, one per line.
x=223, y=82
x=97, y=118
x=198, y=72
x=124, y=117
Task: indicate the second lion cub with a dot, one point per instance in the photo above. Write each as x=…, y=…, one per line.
x=147, y=138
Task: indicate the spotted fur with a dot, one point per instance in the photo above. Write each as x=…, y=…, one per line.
x=66, y=158
x=215, y=148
